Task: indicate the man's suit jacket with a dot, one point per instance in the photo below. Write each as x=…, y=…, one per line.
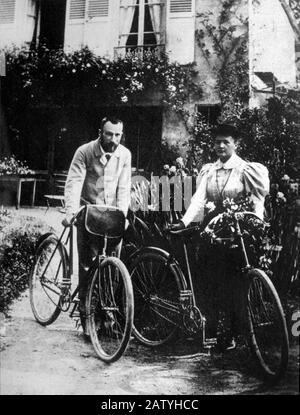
x=93, y=179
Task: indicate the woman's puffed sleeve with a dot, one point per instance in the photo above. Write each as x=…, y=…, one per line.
x=195, y=211
x=256, y=179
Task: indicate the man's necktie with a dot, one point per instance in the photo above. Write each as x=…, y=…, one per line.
x=108, y=156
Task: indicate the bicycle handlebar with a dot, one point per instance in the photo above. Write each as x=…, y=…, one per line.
x=183, y=232
x=72, y=221
x=196, y=228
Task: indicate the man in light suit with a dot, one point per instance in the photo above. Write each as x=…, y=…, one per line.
x=100, y=173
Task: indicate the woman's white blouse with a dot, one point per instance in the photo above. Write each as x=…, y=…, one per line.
x=215, y=184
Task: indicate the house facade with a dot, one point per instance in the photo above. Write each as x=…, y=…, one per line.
x=116, y=28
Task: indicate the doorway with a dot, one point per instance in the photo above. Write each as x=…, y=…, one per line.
x=52, y=29
x=143, y=131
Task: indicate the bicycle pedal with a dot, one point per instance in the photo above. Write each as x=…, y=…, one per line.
x=210, y=342
x=65, y=284
x=75, y=314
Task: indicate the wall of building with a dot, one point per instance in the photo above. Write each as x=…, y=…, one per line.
x=207, y=66
x=174, y=130
x=272, y=43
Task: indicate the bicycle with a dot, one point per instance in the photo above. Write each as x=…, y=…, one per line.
x=109, y=301
x=165, y=300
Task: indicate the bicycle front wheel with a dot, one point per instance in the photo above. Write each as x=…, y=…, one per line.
x=267, y=326
x=156, y=286
x=109, y=308
x=49, y=269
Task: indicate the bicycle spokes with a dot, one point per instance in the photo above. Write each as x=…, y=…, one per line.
x=156, y=298
x=45, y=291
x=268, y=333
x=108, y=308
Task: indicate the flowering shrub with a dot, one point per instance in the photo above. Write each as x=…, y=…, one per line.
x=55, y=77
x=11, y=165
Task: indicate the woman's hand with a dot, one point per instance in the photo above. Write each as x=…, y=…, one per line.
x=176, y=226
x=67, y=220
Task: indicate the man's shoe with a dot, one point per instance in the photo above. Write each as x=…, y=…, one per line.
x=86, y=336
x=231, y=345
x=83, y=322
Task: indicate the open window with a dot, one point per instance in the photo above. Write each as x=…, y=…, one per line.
x=52, y=23
x=142, y=27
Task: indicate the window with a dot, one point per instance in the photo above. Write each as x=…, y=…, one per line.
x=141, y=25
x=52, y=23
x=7, y=11
x=210, y=113
x=142, y=32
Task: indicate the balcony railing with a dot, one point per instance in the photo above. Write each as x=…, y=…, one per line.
x=139, y=51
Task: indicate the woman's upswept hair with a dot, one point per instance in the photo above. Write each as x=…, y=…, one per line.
x=226, y=130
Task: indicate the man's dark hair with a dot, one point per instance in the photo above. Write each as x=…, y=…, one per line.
x=112, y=119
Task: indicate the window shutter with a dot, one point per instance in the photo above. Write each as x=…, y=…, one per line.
x=181, y=6
x=98, y=8
x=77, y=9
x=7, y=11
x=180, y=33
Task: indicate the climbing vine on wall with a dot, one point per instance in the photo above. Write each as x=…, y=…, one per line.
x=225, y=38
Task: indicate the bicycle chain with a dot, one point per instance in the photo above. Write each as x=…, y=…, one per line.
x=184, y=314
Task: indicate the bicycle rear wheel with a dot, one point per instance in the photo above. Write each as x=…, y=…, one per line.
x=156, y=286
x=109, y=308
x=267, y=326
x=49, y=269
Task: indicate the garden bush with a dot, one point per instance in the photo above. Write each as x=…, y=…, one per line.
x=17, y=245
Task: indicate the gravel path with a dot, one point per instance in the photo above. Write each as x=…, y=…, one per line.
x=57, y=361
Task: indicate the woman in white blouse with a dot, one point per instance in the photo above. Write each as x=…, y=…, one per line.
x=229, y=177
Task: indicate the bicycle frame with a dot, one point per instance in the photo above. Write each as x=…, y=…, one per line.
x=187, y=307
x=238, y=235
